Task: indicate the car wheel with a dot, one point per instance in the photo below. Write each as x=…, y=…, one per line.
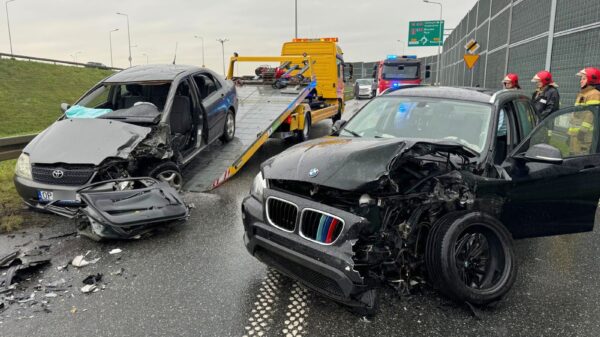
x=167, y=172
x=338, y=115
x=470, y=258
x=229, y=128
x=304, y=134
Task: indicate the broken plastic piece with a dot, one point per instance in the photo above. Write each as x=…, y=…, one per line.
x=93, y=279
x=115, y=251
x=88, y=288
x=80, y=261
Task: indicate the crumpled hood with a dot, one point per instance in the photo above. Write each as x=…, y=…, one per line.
x=85, y=141
x=348, y=163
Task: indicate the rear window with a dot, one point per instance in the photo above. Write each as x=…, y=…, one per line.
x=400, y=71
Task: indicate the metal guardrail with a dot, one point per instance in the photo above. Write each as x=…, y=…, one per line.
x=11, y=147
x=53, y=61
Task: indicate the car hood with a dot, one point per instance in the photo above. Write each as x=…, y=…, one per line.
x=352, y=164
x=85, y=141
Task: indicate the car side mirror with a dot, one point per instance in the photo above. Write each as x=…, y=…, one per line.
x=64, y=107
x=543, y=153
x=337, y=126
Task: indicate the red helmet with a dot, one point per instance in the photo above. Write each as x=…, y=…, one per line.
x=512, y=79
x=592, y=74
x=543, y=76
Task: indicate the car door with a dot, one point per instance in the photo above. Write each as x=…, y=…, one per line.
x=546, y=198
x=211, y=94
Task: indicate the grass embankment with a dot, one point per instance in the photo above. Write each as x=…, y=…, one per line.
x=30, y=97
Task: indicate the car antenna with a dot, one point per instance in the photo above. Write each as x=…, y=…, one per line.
x=175, y=56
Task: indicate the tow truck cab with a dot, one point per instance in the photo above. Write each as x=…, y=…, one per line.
x=396, y=71
x=328, y=68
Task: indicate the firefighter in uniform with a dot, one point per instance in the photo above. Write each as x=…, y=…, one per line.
x=511, y=81
x=581, y=125
x=545, y=99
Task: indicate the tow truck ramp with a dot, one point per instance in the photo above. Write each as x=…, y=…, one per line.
x=261, y=111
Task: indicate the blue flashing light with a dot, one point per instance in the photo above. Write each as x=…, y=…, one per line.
x=396, y=84
x=392, y=57
x=410, y=56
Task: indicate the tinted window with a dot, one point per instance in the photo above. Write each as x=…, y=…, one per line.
x=400, y=71
x=205, y=84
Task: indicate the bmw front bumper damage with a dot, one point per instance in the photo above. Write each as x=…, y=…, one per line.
x=328, y=269
x=124, y=208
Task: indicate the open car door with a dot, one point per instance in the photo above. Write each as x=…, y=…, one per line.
x=555, y=175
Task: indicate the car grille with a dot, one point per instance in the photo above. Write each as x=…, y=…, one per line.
x=313, y=278
x=320, y=227
x=282, y=214
x=73, y=175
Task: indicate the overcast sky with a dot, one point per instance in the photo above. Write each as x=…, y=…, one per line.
x=368, y=30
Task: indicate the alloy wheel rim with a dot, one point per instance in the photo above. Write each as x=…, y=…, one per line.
x=230, y=126
x=172, y=178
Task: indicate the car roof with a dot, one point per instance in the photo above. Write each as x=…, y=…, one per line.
x=154, y=72
x=472, y=94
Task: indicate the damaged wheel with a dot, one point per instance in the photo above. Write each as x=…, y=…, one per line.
x=470, y=258
x=169, y=173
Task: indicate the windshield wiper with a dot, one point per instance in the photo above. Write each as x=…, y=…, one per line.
x=352, y=132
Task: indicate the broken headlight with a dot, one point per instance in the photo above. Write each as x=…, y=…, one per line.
x=258, y=186
x=23, y=167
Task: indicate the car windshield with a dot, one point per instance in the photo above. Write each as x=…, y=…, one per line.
x=393, y=71
x=364, y=82
x=462, y=122
x=117, y=101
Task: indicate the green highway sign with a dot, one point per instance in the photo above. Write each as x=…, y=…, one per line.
x=425, y=33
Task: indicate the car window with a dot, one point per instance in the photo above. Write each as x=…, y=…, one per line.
x=206, y=85
x=525, y=117
x=466, y=123
x=98, y=98
x=574, y=131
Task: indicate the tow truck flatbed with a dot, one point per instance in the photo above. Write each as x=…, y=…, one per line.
x=261, y=111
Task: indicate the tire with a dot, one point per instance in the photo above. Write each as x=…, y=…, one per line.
x=167, y=172
x=470, y=258
x=304, y=134
x=338, y=115
x=228, y=128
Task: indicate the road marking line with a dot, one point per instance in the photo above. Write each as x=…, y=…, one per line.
x=262, y=314
x=297, y=312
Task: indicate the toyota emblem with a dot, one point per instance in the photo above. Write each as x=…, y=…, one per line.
x=313, y=172
x=57, y=174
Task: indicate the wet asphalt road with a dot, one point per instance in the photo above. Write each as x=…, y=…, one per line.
x=197, y=279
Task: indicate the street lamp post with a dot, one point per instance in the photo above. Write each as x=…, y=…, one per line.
x=296, y=17
x=223, y=50
x=403, y=47
x=128, y=35
x=8, y=24
x=202, y=39
x=110, y=45
x=74, y=56
x=438, y=68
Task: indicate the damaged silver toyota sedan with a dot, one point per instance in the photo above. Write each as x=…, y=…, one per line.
x=145, y=121
x=424, y=185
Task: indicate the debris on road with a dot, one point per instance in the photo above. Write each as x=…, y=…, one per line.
x=115, y=251
x=93, y=279
x=80, y=261
x=88, y=288
x=119, y=272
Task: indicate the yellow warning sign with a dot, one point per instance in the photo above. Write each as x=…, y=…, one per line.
x=470, y=60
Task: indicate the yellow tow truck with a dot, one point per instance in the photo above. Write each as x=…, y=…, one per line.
x=305, y=88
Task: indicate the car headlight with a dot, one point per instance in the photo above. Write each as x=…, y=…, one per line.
x=258, y=186
x=23, y=167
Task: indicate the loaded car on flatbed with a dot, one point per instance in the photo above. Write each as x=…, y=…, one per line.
x=424, y=184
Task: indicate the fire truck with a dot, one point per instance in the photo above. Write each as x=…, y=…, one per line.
x=396, y=71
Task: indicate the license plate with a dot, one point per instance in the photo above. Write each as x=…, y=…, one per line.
x=45, y=196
